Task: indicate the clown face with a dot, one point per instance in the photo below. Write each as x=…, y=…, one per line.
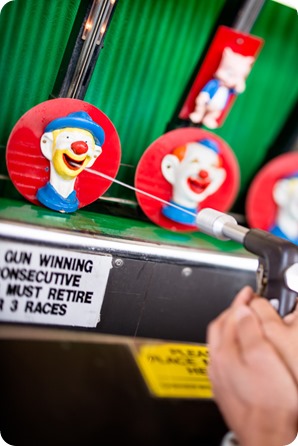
x=285, y=195
x=195, y=176
x=70, y=151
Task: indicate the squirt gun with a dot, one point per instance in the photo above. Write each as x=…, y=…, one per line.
x=277, y=273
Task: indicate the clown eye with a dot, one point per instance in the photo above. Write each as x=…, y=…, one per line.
x=195, y=160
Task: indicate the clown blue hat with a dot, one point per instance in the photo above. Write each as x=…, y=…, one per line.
x=210, y=144
x=291, y=175
x=80, y=120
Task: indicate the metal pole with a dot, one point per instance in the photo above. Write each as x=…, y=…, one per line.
x=248, y=15
x=93, y=36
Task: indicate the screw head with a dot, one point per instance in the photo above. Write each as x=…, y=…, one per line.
x=186, y=272
x=118, y=263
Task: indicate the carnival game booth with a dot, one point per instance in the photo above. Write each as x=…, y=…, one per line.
x=122, y=121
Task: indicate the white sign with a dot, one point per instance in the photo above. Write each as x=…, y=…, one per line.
x=2, y=442
x=51, y=286
x=3, y=3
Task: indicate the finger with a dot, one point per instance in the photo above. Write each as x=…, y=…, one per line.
x=276, y=330
x=265, y=311
x=215, y=329
x=249, y=332
x=271, y=322
x=292, y=318
x=223, y=347
x=222, y=341
x=244, y=297
x=280, y=334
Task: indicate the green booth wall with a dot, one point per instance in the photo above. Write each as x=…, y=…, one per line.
x=150, y=52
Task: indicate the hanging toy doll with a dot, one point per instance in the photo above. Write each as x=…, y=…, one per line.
x=229, y=79
x=221, y=77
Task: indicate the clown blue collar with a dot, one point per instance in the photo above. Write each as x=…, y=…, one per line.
x=179, y=215
x=275, y=230
x=50, y=198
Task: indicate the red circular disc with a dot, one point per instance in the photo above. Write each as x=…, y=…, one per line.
x=150, y=179
x=260, y=207
x=29, y=169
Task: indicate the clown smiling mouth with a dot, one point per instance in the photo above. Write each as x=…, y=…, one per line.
x=71, y=163
x=196, y=185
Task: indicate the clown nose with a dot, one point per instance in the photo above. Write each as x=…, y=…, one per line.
x=203, y=174
x=79, y=147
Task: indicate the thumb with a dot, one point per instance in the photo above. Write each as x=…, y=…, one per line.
x=244, y=297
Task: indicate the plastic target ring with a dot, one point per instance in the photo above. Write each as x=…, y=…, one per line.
x=191, y=168
x=52, y=145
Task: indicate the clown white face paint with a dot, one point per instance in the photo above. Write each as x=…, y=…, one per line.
x=70, y=143
x=69, y=150
x=285, y=195
x=196, y=176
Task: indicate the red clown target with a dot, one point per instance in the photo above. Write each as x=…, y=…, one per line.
x=261, y=208
x=52, y=145
x=191, y=168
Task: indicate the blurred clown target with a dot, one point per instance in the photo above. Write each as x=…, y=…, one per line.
x=190, y=168
x=272, y=199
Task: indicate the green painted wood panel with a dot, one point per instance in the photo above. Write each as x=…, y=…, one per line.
x=34, y=34
x=150, y=52
x=93, y=223
x=272, y=91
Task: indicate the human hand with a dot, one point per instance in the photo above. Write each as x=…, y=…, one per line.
x=282, y=333
x=252, y=386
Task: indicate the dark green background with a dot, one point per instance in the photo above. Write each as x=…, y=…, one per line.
x=151, y=50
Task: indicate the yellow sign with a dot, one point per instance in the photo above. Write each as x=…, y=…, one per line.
x=175, y=370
